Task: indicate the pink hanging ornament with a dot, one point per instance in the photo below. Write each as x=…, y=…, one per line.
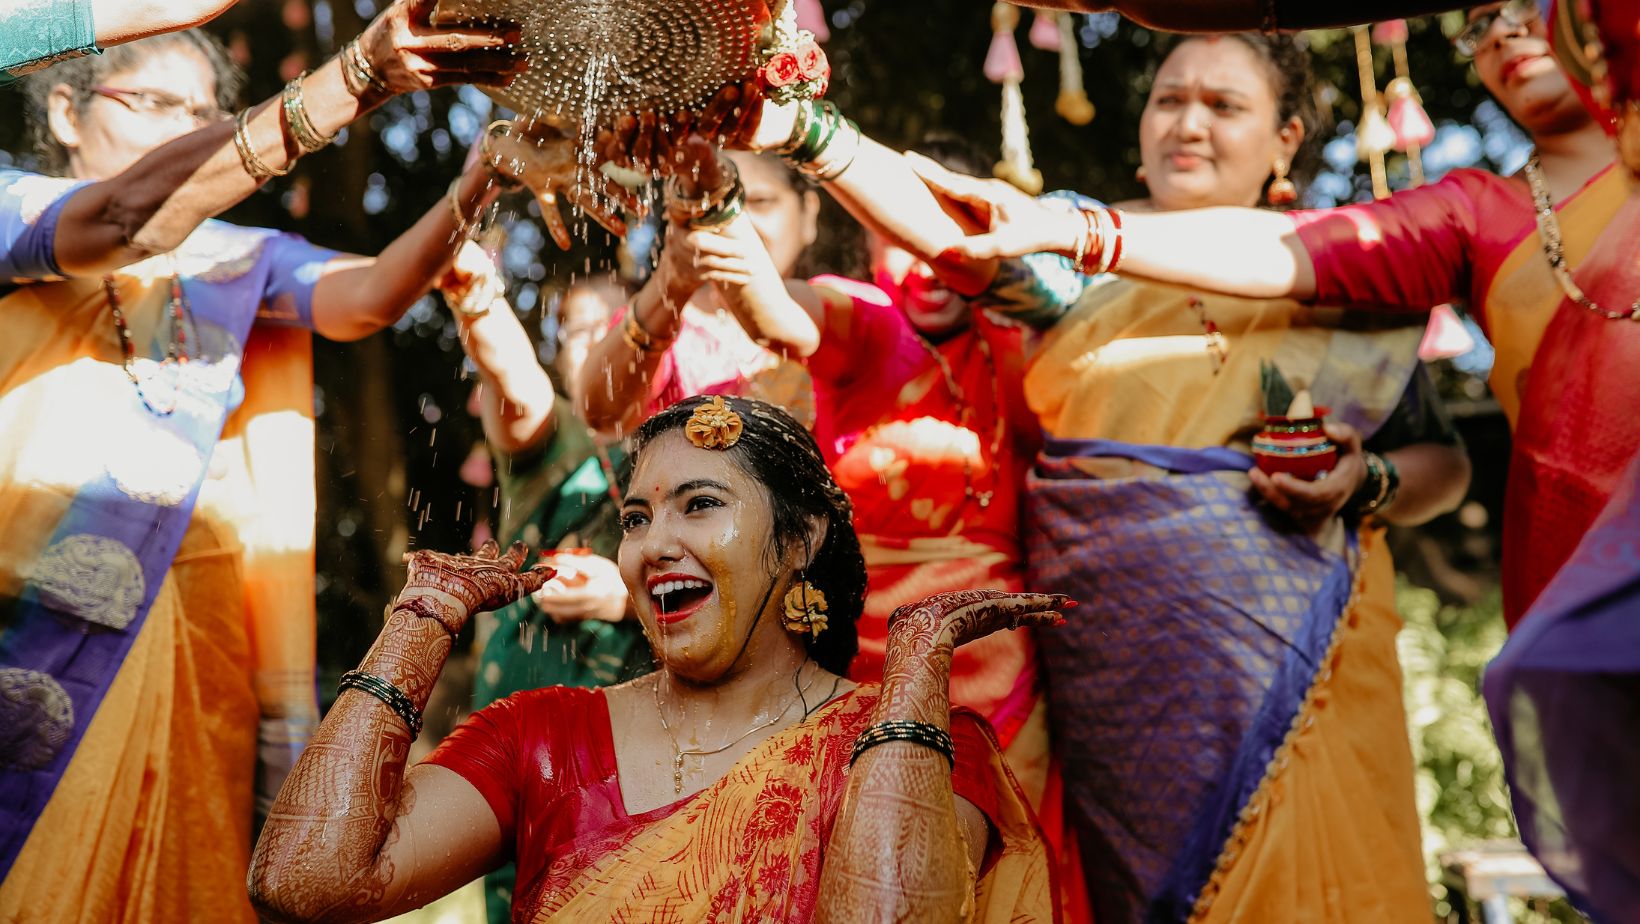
x=1445, y=336
x=1002, y=62
x=812, y=16
x=1407, y=118
x=1390, y=31
x=1044, y=32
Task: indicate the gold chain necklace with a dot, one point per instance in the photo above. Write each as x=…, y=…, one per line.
x=966, y=413
x=1555, y=249
x=678, y=753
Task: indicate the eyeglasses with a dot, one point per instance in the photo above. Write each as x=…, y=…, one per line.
x=1514, y=13
x=162, y=104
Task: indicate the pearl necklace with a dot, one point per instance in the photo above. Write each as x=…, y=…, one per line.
x=1554, y=247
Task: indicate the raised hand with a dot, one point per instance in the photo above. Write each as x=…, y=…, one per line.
x=1011, y=223
x=959, y=617
x=922, y=637
x=545, y=159
x=450, y=588
x=409, y=52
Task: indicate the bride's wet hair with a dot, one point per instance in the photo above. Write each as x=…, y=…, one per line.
x=779, y=454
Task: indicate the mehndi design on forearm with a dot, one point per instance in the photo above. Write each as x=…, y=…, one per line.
x=325, y=852
x=897, y=852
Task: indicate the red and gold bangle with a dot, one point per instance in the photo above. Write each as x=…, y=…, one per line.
x=1091, y=246
x=1116, y=239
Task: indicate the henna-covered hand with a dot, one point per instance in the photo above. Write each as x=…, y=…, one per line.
x=959, y=617
x=898, y=852
x=450, y=588
x=923, y=636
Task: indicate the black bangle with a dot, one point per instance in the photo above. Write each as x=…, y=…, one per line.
x=929, y=736
x=384, y=690
x=1393, y=476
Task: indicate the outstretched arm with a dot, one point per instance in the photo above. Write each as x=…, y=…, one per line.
x=619, y=373
x=155, y=204
x=120, y=21
x=904, y=847
x=352, y=837
x=517, y=396
x=1246, y=252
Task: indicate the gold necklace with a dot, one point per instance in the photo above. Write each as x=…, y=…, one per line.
x=678, y=753
x=1554, y=247
x=965, y=414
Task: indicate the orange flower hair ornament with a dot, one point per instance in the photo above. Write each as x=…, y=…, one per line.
x=714, y=425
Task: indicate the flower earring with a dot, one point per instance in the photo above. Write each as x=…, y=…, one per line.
x=805, y=609
x=1282, y=191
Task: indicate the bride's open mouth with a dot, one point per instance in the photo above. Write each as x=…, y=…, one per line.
x=675, y=597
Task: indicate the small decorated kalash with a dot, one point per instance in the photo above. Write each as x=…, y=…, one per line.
x=745, y=780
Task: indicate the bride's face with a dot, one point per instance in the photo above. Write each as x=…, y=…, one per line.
x=696, y=556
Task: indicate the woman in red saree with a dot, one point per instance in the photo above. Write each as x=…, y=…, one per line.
x=745, y=780
x=929, y=438
x=1562, y=346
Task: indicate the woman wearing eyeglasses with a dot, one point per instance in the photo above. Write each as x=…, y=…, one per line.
x=1555, y=312
x=156, y=446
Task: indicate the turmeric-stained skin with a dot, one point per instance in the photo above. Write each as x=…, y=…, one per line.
x=333, y=848
x=898, y=851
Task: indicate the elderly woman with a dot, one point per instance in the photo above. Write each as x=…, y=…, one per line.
x=155, y=463
x=717, y=788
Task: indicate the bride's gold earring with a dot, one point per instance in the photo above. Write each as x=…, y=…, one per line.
x=1281, y=191
x=805, y=609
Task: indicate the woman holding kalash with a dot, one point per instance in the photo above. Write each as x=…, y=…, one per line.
x=718, y=788
x=156, y=456
x=1471, y=236
x=1545, y=259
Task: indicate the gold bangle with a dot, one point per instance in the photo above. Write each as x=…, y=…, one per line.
x=307, y=137
x=254, y=165
x=357, y=73
x=453, y=196
x=637, y=338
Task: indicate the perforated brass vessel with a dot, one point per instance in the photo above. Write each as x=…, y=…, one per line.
x=591, y=60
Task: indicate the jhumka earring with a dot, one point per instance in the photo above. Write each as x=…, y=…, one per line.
x=1282, y=191
x=805, y=609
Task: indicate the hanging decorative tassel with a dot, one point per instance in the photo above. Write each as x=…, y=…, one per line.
x=812, y=16
x=1405, y=114
x=1044, y=32
x=1373, y=136
x=1002, y=60
x=1016, y=166
x=1002, y=65
x=1073, y=104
